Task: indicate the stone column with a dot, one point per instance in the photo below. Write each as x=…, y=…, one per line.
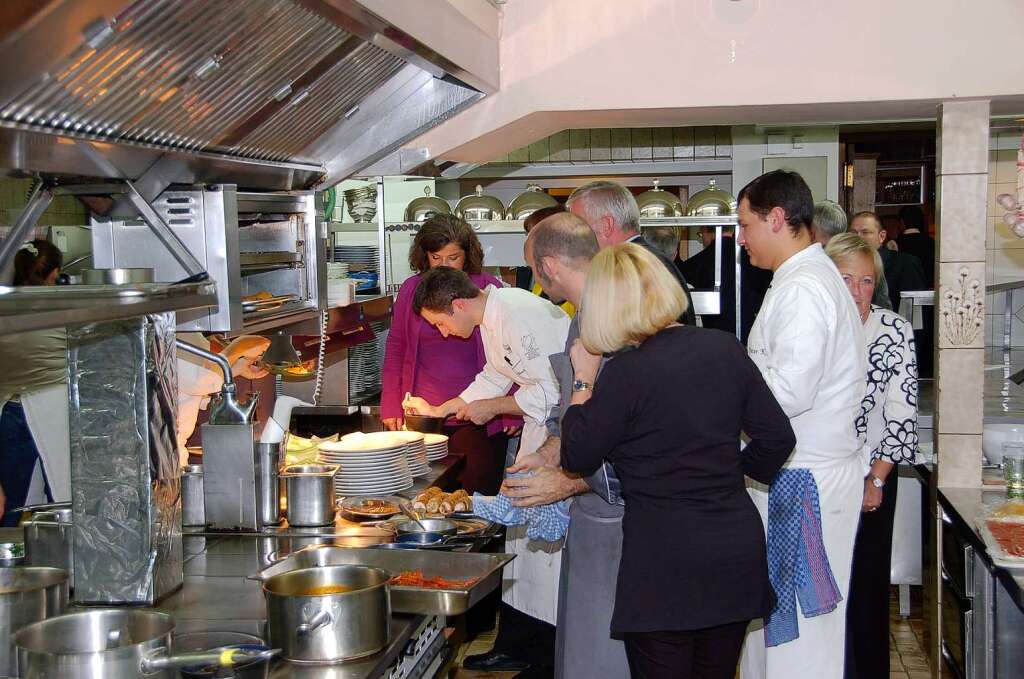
x=961, y=196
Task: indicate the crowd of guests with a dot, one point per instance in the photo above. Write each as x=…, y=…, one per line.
x=682, y=502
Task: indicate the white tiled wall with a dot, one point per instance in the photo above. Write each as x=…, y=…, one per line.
x=1004, y=250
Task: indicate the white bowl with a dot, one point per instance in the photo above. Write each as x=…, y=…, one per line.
x=995, y=435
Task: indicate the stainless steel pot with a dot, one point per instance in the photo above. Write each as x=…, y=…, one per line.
x=268, y=495
x=48, y=541
x=114, y=643
x=310, y=490
x=116, y=276
x=27, y=595
x=329, y=627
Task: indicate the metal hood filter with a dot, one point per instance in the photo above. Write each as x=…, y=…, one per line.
x=215, y=83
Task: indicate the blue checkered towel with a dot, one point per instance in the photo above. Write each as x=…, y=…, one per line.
x=546, y=522
x=798, y=566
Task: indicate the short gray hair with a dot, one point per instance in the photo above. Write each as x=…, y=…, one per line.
x=664, y=238
x=611, y=199
x=564, y=236
x=829, y=218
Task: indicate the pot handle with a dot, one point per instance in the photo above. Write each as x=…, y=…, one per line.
x=160, y=660
x=319, y=619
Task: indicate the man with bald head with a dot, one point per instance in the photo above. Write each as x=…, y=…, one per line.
x=612, y=213
x=559, y=250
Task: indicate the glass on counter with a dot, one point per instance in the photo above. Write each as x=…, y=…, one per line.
x=1013, y=469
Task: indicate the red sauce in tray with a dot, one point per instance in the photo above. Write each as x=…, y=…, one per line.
x=1009, y=535
x=417, y=579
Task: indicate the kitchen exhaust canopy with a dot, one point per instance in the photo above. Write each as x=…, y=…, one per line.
x=267, y=94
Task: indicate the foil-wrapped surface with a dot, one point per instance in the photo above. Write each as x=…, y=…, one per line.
x=125, y=485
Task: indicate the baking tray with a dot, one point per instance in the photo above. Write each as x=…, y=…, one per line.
x=420, y=601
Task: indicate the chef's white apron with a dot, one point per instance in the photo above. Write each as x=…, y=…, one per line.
x=46, y=412
x=530, y=581
x=819, y=651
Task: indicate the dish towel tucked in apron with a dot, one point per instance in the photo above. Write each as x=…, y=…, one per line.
x=798, y=566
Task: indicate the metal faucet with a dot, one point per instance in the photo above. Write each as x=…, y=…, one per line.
x=225, y=408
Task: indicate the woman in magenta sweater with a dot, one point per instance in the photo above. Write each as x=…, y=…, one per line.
x=420, y=361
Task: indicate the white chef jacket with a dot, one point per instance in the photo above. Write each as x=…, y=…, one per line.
x=198, y=379
x=808, y=343
x=519, y=332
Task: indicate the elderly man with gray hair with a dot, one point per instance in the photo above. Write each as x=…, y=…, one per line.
x=829, y=220
x=612, y=213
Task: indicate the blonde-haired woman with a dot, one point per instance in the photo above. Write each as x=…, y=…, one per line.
x=888, y=424
x=668, y=414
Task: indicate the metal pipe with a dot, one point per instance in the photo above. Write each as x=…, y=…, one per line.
x=222, y=363
x=38, y=201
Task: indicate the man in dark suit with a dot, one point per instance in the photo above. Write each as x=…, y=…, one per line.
x=902, y=271
x=700, y=271
x=914, y=240
x=612, y=213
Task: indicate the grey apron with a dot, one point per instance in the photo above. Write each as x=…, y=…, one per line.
x=586, y=593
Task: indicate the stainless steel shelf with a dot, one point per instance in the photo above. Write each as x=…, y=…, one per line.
x=689, y=222
x=41, y=307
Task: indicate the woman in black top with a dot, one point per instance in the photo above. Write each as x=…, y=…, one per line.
x=668, y=415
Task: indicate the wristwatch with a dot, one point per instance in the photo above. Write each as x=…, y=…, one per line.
x=875, y=481
x=580, y=385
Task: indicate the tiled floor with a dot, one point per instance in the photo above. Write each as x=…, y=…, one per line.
x=907, y=659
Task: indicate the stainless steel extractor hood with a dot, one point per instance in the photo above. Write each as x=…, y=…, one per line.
x=266, y=94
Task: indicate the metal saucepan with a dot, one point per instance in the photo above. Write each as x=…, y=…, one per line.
x=48, y=541
x=27, y=595
x=442, y=526
x=312, y=623
x=424, y=423
x=113, y=643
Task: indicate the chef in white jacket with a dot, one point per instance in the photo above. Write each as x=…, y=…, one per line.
x=519, y=332
x=807, y=342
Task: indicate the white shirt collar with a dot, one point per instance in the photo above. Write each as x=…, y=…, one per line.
x=490, y=307
x=794, y=260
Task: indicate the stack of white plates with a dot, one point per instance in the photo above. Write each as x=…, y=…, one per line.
x=370, y=464
x=416, y=452
x=358, y=257
x=436, y=445
x=365, y=362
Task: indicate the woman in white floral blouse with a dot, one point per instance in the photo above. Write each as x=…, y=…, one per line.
x=887, y=425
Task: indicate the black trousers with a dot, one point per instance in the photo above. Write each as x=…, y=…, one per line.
x=526, y=638
x=867, y=609
x=708, y=653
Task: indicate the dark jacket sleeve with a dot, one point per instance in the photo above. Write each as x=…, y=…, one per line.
x=764, y=422
x=590, y=432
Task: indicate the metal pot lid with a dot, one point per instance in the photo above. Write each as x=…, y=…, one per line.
x=480, y=207
x=420, y=209
x=659, y=203
x=529, y=201
x=711, y=202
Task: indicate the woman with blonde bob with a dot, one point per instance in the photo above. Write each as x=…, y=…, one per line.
x=668, y=415
x=888, y=424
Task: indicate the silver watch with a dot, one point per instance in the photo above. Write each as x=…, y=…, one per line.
x=875, y=481
x=580, y=385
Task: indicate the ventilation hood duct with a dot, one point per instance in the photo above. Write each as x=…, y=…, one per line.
x=266, y=94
